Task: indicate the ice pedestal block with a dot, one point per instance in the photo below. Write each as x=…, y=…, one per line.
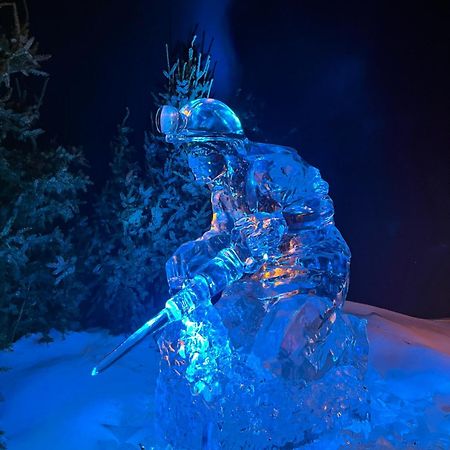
x=275, y=363
x=263, y=384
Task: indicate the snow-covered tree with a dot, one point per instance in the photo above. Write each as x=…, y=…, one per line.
x=147, y=210
x=40, y=186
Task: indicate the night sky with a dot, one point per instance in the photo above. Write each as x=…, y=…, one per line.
x=359, y=88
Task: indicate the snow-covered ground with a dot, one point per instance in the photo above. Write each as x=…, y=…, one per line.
x=52, y=402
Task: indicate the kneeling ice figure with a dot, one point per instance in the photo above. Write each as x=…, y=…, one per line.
x=275, y=363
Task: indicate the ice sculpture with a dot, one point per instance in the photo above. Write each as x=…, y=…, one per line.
x=275, y=363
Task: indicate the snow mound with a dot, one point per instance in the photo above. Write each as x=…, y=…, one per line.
x=52, y=402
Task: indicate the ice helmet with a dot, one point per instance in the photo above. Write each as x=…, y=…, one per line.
x=199, y=120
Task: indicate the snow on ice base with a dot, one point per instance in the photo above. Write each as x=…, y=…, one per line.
x=52, y=402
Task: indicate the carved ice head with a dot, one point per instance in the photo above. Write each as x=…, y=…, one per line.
x=208, y=130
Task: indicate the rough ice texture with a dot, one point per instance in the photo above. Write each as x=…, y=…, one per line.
x=52, y=402
x=275, y=362
x=260, y=394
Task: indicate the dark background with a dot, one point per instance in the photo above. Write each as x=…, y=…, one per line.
x=359, y=88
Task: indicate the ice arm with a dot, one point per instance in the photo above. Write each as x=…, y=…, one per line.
x=253, y=237
x=189, y=257
x=214, y=276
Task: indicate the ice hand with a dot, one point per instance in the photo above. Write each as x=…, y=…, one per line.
x=189, y=257
x=257, y=237
x=179, y=266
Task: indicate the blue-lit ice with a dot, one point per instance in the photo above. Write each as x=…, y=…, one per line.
x=275, y=363
x=51, y=402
